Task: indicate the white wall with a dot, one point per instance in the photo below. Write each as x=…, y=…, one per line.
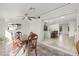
x=54, y=27
x=72, y=28
x=35, y=26
x=64, y=28
x=23, y=28
x=2, y=27
x=77, y=26
x=22, y=22
x=47, y=34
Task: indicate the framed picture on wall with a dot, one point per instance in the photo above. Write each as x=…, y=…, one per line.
x=60, y=28
x=45, y=28
x=68, y=28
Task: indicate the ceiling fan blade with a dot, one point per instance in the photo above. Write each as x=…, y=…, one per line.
x=23, y=18
x=29, y=18
x=35, y=17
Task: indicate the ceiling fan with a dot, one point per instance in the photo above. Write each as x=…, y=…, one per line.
x=28, y=17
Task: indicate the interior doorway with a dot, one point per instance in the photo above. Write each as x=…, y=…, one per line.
x=54, y=34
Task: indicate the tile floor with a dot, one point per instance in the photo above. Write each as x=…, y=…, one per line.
x=42, y=50
x=48, y=47
x=65, y=44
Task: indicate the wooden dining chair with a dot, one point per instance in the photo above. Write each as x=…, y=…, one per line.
x=32, y=43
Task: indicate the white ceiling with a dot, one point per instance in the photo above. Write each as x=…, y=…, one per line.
x=69, y=12
x=47, y=11
x=12, y=10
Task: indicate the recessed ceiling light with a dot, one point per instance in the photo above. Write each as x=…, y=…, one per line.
x=26, y=17
x=62, y=17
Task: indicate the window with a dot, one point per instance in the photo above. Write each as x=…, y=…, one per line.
x=14, y=26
